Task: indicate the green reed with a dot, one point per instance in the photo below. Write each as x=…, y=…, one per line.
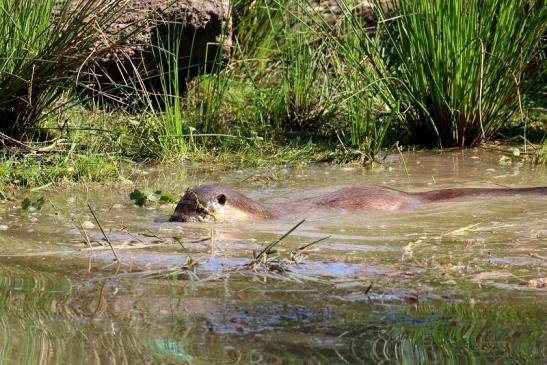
x=286, y=82
x=425, y=72
x=461, y=68
x=171, y=122
x=355, y=103
x=182, y=109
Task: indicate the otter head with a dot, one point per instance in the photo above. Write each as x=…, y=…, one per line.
x=200, y=204
x=216, y=203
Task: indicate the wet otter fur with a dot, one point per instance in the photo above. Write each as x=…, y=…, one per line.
x=218, y=203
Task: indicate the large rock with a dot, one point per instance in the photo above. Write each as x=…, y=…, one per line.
x=146, y=26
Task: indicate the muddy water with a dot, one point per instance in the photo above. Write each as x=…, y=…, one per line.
x=446, y=283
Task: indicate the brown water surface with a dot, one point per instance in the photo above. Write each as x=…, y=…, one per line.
x=447, y=282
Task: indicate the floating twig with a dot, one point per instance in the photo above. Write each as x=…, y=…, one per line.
x=117, y=258
x=296, y=255
x=400, y=150
x=313, y=243
x=368, y=288
x=199, y=205
x=268, y=248
x=536, y=256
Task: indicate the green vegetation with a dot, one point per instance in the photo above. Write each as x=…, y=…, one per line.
x=542, y=153
x=43, y=46
x=32, y=206
x=462, y=66
x=38, y=171
x=171, y=123
x=303, y=85
x=146, y=196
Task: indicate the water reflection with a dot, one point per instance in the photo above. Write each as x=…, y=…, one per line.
x=47, y=318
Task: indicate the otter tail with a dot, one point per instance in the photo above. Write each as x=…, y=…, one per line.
x=448, y=194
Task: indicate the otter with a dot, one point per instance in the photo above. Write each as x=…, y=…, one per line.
x=218, y=203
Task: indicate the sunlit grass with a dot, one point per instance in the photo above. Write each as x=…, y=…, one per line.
x=286, y=86
x=43, y=46
x=38, y=172
x=299, y=87
x=462, y=68
x=170, y=121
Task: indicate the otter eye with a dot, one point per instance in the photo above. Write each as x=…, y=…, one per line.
x=221, y=199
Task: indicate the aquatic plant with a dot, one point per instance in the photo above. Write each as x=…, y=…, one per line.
x=145, y=196
x=32, y=206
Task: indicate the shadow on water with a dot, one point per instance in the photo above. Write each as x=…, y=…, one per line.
x=450, y=283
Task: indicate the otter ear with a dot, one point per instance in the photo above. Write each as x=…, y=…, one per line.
x=221, y=199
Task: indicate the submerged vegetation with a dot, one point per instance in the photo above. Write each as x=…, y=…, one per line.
x=305, y=83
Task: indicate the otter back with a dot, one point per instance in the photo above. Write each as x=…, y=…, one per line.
x=211, y=202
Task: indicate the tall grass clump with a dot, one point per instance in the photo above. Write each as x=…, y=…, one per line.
x=302, y=86
x=43, y=44
x=459, y=65
x=178, y=106
x=286, y=85
x=171, y=122
x=306, y=94
x=364, y=107
x=371, y=108
x=276, y=86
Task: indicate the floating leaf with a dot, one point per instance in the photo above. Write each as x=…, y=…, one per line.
x=25, y=204
x=153, y=196
x=142, y=197
x=32, y=206
x=138, y=197
x=168, y=198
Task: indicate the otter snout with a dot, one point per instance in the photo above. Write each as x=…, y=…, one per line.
x=185, y=218
x=187, y=210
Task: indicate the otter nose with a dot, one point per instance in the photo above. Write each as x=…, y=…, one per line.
x=178, y=218
x=181, y=217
